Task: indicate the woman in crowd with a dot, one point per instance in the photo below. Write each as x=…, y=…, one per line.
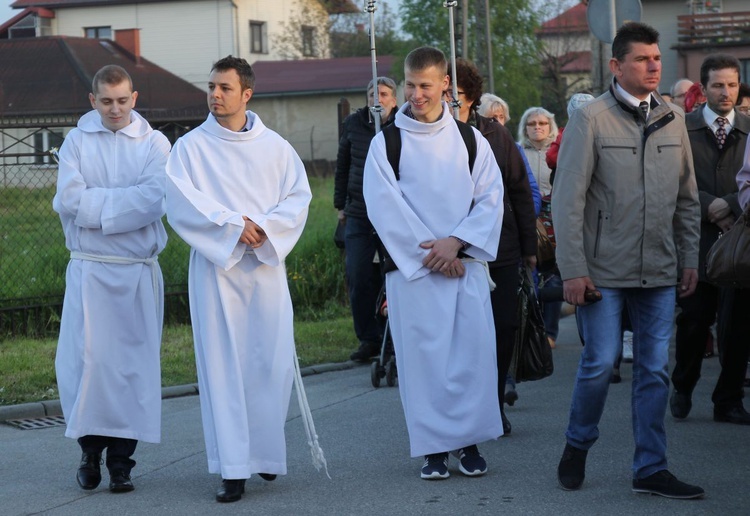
x=518, y=238
x=492, y=106
x=536, y=132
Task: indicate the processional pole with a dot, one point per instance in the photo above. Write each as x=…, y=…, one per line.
x=455, y=103
x=376, y=109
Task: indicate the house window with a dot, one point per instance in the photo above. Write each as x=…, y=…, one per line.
x=44, y=140
x=258, y=37
x=308, y=41
x=98, y=32
x=44, y=26
x=23, y=29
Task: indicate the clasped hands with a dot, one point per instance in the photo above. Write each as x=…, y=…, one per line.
x=443, y=257
x=720, y=213
x=253, y=235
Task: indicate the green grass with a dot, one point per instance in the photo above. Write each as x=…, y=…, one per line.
x=27, y=366
x=33, y=260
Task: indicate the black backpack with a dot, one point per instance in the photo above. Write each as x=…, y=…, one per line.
x=392, y=135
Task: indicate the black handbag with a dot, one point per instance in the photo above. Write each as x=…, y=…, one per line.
x=532, y=355
x=728, y=260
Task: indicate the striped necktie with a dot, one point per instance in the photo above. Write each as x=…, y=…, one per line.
x=643, y=106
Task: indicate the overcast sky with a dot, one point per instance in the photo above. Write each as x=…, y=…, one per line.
x=6, y=12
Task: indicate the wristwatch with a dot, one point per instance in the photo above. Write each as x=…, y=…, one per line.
x=464, y=243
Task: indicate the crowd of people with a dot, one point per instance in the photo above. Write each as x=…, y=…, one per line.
x=440, y=211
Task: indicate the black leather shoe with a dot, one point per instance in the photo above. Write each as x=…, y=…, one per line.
x=89, y=473
x=737, y=415
x=511, y=396
x=506, y=425
x=366, y=351
x=268, y=477
x=664, y=483
x=680, y=405
x=119, y=482
x=572, y=468
x=231, y=490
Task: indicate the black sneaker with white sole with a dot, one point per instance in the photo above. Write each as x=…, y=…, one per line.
x=435, y=466
x=470, y=461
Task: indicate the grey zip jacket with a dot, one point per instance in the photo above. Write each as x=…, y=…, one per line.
x=625, y=201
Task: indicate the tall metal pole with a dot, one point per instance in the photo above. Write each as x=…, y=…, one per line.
x=376, y=108
x=455, y=103
x=488, y=39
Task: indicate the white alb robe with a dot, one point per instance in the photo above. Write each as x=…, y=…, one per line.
x=110, y=197
x=442, y=328
x=240, y=305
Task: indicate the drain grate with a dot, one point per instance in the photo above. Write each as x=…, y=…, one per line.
x=37, y=422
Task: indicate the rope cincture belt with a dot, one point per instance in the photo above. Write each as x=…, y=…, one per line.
x=152, y=262
x=486, y=268
x=318, y=459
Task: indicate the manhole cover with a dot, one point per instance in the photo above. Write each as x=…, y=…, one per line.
x=37, y=422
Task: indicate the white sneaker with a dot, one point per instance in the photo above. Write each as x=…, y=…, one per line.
x=627, y=346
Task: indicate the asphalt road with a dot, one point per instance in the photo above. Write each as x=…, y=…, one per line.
x=363, y=434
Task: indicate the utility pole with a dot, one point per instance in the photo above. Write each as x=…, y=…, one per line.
x=483, y=44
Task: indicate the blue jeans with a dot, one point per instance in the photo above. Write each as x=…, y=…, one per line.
x=651, y=312
x=363, y=278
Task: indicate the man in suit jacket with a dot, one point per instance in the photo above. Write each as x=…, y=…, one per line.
x=718, y=134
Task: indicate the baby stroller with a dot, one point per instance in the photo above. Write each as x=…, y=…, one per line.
x=385, y=365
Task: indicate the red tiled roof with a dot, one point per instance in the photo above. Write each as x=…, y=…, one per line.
x=307, y=76
x=333, y=6
x=52, y=76
x=572, y=20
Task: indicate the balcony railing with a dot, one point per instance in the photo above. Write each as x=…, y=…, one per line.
x=713, y=29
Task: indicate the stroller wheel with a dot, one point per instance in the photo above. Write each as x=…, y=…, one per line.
x=375, y=375
x=390, y=372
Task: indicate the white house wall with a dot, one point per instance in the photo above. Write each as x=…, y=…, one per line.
x=662, y=15
x=309, y=124
x=186, y=37
x=186, y=42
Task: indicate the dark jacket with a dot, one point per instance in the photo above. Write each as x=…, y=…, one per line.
x=715, y=172
x=358, y=131
x=518, y=236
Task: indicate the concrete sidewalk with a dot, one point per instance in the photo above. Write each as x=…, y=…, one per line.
x=363, y=434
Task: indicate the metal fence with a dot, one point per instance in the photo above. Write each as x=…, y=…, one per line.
x=33, y=257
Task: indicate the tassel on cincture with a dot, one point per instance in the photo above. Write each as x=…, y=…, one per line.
x=318, y=458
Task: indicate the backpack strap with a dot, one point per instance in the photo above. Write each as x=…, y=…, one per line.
x=470, y=140
x=392, y=135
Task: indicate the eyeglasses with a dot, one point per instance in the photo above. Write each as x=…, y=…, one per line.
x=744, y=109
x=541, y=124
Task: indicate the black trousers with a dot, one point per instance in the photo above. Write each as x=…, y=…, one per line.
x=504, y=301
x=119, y=450
x=698, y=313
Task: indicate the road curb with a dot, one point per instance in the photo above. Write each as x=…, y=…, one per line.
x=50, y=408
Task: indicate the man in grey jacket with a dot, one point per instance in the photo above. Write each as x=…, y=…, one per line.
x=626, y=196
